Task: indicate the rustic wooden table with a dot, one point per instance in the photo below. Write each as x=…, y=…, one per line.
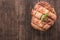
x=15, y=18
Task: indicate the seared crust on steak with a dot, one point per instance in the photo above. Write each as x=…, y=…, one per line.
x=40, y=9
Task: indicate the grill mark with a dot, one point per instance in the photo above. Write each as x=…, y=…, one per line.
x=41, y=22
x=37, y=20
x=35, y=26
x=47, y=6
x=39, y=26
x=43, y=13
x=51, y=17
x=46, y=26
x=36, y=13
x=42, y=27
x=44, y=21
x=49, y=21
x=50, y=12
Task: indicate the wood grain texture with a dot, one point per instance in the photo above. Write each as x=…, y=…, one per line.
x=8, y=20
x=15, y=19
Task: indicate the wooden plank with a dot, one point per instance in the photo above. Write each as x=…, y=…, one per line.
x=15, y=19
x=8, y=20
x=21, y=19
x=51, y=34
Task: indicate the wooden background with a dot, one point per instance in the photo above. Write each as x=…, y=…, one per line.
x=15, y=18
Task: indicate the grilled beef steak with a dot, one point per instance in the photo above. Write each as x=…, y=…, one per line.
x=43, y=16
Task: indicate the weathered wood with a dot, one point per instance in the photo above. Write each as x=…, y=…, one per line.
x=8, y=20
x=15, y=18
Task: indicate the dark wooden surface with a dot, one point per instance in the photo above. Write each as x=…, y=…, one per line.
x=15, y=18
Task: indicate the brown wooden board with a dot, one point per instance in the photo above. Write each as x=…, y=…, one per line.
x=15, y=19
